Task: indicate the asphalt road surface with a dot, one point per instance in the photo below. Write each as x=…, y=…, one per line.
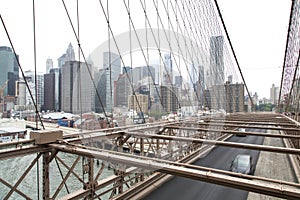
x=219, y=158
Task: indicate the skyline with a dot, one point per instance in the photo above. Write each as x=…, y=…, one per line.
x=258, y=40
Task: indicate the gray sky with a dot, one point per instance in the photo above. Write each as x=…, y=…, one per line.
x=257, y=28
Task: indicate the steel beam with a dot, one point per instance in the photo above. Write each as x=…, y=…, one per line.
x=22, y=177
x=273, y=189
x=238, y=132
x=244, y=125
x=250, y=122
x=16, y=190
x=220, y=143
x=46, y=178
x=23, y=151
x=17, y=143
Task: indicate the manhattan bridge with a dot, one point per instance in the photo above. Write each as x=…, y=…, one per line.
x=186, y=155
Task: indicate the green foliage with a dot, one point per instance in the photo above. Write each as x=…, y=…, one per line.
x=157, y=114
x=265, y=107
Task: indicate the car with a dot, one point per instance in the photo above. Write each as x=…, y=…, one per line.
x=242, y=163
x=241, y=132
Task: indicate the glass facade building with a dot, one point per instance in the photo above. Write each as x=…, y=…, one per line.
x=9, y=71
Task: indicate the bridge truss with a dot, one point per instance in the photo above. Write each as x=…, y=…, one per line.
x=124, y=163
x=289, y=97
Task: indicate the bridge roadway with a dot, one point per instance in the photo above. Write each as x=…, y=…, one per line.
x=217, y=161
x=220, y=158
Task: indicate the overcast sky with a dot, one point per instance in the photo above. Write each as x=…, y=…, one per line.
x=258, y=30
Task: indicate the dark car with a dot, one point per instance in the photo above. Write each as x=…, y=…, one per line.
x=242, y=164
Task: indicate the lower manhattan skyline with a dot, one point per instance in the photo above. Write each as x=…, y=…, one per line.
x=51, y=43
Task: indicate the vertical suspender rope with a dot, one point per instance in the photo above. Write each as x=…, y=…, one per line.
x=36, y=96
x=109, y=60
x=79, y=64
x=131, y=61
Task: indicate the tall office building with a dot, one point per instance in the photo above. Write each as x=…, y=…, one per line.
x=57, y=88
x=112, y=67
x=52, y=90
x=234, y=97
x=140, y=73
x=230, y=97
x=199, y=86
x=123, y=90
x=100, y=96
x=137, y=75
x=274, y=94
x=49, y=65
x=169, y=99
x=112, y=62
x=216, y=72
x=49, y=83
x=68, y=56
x=9, y=71
x=30, y=78
x=178, y=81
x=139, y=102
x=77, y=92
x=21, y=92
x=168, y=70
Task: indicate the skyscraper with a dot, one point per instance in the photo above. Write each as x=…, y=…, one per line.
x=168, y=70
x=100, y=101
x=68, y=56
x=57, y=88
x=30, y=78
x=274, y=94
x=77, y=92
x=169, y=99
x=216, y=73
x=123, y=90
x=49, y=65
x=112, y=66
x=49, y=91
x=138, y=102
x=9, y=71
x=178, y=81
x=199, y=86
x=234, y=97
x=21, y=92
x=52, y=90
x=215, y=78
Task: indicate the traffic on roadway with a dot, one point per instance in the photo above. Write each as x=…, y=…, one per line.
x=219, y=158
